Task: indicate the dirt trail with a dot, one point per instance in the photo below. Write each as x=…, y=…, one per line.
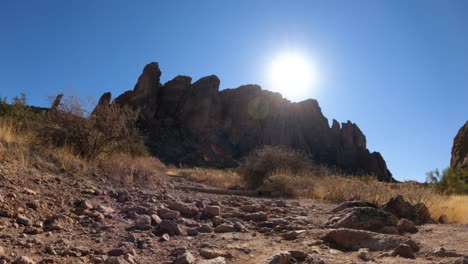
x=59, y=219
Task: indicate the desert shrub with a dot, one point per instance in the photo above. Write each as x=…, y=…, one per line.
x=286, y=183
x=17, y=113
x=132, y=170
x=450, y=181
x=259, y=164
x=108, y=130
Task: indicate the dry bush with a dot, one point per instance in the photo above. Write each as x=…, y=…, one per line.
x=108, y=130
x=285, y=183
x=259, y=164
x=213, y=177
x=130, y=170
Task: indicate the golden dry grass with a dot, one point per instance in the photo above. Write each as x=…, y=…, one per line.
x=13, y=146
x=338, y=188
x=455, y=207
x=140, y=170
x=213, y=177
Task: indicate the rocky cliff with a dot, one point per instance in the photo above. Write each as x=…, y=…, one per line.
x=460, y=148
x=195, y=123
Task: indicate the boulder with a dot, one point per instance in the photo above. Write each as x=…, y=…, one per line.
x=225, y=228
x=143, y=222
x=280, y=258
x=351, y=239
x=364, y=254
x=351, y=204
x=364, y=218
x=407, y=226
x=422, y=214
x=170, y=227
x=404, y=251
x=212, y=211
x=186, y=258
x=400, y=208
x=460, y=148
x=184, y=209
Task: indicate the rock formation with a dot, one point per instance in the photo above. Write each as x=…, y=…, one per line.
x=460, y=148
x=195, y=123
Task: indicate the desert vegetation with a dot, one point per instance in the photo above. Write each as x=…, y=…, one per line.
x=105, y=142
x=108, y=144
x=281, y=172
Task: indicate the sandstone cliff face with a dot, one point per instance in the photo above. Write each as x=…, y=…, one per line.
x=195, y=123
x=460, y=148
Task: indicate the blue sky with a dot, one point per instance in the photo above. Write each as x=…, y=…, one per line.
x=399, y=69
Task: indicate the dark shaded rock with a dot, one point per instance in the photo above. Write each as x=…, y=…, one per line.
x=443, y=253
x=56, y=102
x=404, y=251
x=407, y=226
x=351, y=239
x=422, y=214
x=460, y=148
x=170, y=227
x=351, y=204
x=103, y=102
x=145, y=93
x=196, y=124
x=400, y=208
x=364, y=218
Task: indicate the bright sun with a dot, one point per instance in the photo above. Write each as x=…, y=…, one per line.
x=292, y=75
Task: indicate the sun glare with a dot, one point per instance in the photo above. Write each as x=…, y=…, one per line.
x=293, y=76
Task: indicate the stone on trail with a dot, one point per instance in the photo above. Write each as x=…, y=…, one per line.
x=351, y=239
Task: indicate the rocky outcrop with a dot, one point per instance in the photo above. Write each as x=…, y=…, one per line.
x=460, y=148
x=195, y=123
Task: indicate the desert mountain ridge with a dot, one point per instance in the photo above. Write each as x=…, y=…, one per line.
x=197, y=124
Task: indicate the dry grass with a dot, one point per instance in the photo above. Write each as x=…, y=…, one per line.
x=213, y=177
x=337, y=188
x=455, y=207
x=128, y=170
x=13, y=146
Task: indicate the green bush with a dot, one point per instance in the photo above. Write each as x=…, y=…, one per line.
x=450, y=181
x=262, y=162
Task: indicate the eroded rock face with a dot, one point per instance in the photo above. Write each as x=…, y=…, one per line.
x=196, y=124
x=460, y=148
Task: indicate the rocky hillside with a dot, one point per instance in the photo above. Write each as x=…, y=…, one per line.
x=460, y=148
x=197, y=124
